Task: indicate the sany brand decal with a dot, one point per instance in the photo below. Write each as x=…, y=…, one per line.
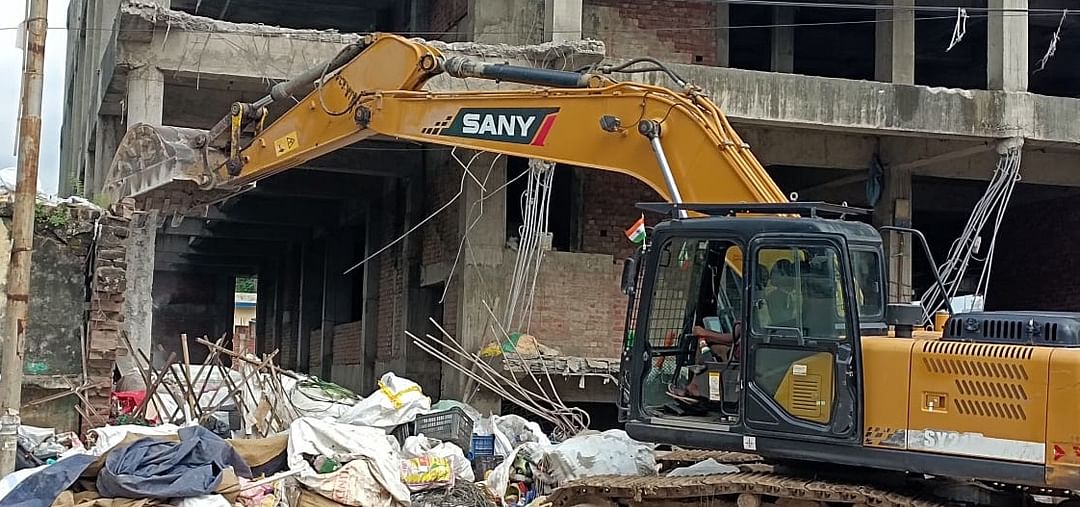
x=514, y=125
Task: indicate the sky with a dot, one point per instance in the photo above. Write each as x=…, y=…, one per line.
x=52, y=104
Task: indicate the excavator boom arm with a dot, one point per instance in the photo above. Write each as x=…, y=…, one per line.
x=375, y=88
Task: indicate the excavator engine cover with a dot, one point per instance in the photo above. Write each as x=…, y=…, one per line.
x=1046, y=329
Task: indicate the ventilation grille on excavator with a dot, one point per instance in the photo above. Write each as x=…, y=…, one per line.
x=1045, y=329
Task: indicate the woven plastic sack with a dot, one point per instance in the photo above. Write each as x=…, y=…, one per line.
x=427, y=472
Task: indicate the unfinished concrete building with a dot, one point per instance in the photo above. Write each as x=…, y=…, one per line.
x=895, y=105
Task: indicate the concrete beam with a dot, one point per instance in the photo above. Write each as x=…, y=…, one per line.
x=228, y=269
x=806, y=148
x=862, y=107
x=283, y=53
x=280, y=213
x=198, y=228
x=187, y=245
x=1007, y=45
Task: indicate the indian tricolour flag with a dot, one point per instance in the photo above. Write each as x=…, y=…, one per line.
x=636, y=232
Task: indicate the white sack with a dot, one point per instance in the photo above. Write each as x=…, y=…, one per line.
x=370, y=476
x=109, y=436
x=418, y=446
x=397, y=400
x=203, y=501
x=513, y=430
x=612, y=452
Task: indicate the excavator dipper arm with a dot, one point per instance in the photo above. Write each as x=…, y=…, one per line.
x=677, y=142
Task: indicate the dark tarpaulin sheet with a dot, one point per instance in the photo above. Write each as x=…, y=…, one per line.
x=43, y=486
x=159, y=469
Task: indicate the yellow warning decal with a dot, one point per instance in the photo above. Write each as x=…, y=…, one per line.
x=286, y=143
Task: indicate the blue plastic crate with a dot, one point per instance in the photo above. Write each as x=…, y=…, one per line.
x=483, y=445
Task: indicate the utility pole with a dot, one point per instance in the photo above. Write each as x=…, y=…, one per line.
x=12, y=338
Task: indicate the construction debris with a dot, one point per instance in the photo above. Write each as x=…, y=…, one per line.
x=237, y=430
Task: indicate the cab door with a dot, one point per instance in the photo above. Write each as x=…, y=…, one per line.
x=802, y=345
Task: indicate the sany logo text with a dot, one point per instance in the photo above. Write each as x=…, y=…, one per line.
x=510, y=125
x=496, y=124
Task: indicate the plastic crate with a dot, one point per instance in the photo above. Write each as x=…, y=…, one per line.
x=449, y=426
x=481, y=465
x=483, y=445
x=402, y=431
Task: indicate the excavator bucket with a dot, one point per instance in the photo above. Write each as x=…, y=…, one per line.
x=154, y=158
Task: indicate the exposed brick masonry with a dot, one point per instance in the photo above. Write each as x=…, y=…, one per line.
x=348, y=348
x=1033, y=269
x=610, y=210
x=629, y=28
x=106, y=309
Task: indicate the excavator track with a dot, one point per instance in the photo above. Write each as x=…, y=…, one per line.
x=683, y=457
x=742, y=489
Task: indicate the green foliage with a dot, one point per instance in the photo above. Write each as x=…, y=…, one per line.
x=246, y=284
x=51, y=217
x=77, y=187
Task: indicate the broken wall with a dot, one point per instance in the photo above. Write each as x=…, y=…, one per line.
x=77, y=289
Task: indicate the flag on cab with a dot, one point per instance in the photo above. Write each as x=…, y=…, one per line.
x=636, y=232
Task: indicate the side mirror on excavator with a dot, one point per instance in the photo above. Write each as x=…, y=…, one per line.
x=630, y=273
x=904, y=316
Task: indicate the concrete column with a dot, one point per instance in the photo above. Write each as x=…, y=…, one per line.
x=138, y=297
x=722, y=20
x=477, y=275
x=264, y=299
x=311, y=288
x=895, y=43
x=108, y=138
x=336, y=295
x=1007, y=45
x=145, y=91
x=783, y=40
x=894, y=208
x=373, y=240
x=562, y=20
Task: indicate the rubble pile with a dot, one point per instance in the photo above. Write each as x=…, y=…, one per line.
x=239, y=431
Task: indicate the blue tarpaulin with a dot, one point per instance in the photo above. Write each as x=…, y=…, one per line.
x=159, y=469
x=43, y=486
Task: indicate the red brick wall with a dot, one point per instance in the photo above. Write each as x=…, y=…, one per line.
x=579, y=309
x=315, y=348
x=348, y=345
x=387, y=340
x=609, y=209
x=1033, y=265
x=441, y=237
x=288, y=345
x=629, y=28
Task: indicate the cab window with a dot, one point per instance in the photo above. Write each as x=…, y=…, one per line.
x=803, y=290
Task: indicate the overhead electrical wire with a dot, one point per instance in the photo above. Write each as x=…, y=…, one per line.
x=292, y=33
x=963, y=251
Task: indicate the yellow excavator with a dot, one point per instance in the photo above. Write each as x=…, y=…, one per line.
x=757, y=328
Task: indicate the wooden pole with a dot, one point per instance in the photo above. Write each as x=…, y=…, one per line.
x=22, y=234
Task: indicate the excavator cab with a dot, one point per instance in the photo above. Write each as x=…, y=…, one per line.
x=746, y=321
